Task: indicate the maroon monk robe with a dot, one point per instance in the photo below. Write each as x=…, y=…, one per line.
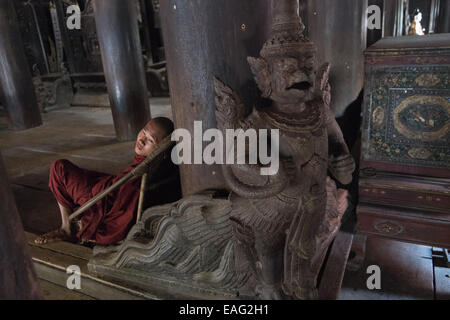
x=109, y=220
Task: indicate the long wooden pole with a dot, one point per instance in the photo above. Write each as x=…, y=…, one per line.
x=141, y=197
x=140, y=170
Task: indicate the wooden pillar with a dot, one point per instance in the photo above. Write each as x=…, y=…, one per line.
x=443, y=24
x=15, y=76
x=202, y=39
x=67, y=46
x=118, y=36
x=392, y=18
x=339, y=28
x=17, y=275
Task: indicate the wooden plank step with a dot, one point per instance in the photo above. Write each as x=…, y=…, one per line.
x=63, y=247
x=52, y=291
x=442, y=280
x=52, y=260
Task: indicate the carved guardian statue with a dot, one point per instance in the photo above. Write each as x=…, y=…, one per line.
x=284, y=223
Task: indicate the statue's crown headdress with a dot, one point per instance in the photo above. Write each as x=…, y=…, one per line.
x=287, y=37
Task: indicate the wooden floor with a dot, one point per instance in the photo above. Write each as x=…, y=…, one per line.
x=86, y=137
x=52, y=262
x=52, y=291
x=408, y=271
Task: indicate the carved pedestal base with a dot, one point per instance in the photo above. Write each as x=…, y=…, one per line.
x=188, y=249
x=184, y=249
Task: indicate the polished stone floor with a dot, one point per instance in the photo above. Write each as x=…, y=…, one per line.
x=86, y=137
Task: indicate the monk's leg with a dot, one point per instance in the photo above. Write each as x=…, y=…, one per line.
x=71, y=187
x=65, y=213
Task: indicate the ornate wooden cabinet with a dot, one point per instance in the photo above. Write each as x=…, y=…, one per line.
x=404, y=185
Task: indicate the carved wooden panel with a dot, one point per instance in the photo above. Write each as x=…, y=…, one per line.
x=404, y=186
x=36, y=35
x=84, y=43
x=407, y=117
x=407, y=104
x=404, y=226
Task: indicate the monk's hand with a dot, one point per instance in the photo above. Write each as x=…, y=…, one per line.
x=342, y=167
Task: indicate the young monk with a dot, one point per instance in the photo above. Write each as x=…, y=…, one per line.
x=109, y=220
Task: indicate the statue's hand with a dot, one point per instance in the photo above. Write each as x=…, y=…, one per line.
x=289, y=168
x=342, y=167
x=342, y=202
x=322, y=81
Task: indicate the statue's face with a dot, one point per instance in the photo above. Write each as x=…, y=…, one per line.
x=293, y=79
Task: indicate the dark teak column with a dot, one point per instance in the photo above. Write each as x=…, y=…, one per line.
x=202, y=39
x=118, y=35
x=15, y=77
x=339, y=28
x=17, y=276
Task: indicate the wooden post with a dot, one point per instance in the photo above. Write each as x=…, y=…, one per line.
x=333, y=273
x=443, y=24
x=202, y=39
x=338, y=29
x=118, y=36
x=17, y=275
x=15, y=76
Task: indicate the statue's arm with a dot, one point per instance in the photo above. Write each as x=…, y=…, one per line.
x=341, y=163
x=229, y=115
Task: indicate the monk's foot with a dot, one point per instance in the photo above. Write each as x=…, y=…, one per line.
x=55, y=235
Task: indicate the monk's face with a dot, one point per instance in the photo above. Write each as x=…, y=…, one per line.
x=147, y=139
